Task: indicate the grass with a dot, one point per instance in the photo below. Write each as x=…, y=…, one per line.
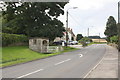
x=21, y=54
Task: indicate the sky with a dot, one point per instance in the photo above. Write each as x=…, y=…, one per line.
x=92, y=14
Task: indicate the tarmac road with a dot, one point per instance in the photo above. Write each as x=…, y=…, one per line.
x=75, y=64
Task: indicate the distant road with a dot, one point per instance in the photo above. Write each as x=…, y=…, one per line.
x=74, y=64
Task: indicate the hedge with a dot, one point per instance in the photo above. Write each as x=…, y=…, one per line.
x=8, y=39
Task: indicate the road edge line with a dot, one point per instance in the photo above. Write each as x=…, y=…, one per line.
x=95, y=65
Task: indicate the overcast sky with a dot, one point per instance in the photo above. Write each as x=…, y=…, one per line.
x=90, y=13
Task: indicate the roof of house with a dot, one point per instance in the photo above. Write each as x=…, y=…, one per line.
x=70, y=30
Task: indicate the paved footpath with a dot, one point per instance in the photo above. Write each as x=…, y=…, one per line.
x=108, y=66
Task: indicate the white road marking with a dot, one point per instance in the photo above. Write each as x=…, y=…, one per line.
x=30, y=73
x=62, y=62
x=94, y=67
x=80, y=55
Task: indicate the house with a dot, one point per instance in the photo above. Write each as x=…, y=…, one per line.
x=71, y=36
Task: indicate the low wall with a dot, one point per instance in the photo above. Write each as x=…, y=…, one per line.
x=55, y=49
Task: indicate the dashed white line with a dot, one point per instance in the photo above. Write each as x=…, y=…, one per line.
x=62, y=62
x=30, y=73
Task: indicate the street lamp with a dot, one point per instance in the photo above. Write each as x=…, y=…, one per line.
x=67, y=23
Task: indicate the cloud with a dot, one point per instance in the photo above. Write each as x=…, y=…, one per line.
x=88, y=4
x=90, y=13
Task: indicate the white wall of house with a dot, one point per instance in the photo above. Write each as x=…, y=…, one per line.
x=69, y=36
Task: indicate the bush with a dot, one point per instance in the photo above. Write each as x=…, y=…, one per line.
x=83, y=43
x=8, y=39
x=114, y=39
x=85, y=39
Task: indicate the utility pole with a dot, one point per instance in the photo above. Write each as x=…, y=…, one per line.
x=99, y=38
x=67, y=24
x=88, y=32
x=67, y=28
x=118, y=25
x=118, y=12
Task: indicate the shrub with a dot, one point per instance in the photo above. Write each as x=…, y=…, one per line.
x=83, y=43
x=114, y=39
x=85, y=39
x=8, y=39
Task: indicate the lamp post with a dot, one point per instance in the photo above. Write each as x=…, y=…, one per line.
x=67, y=24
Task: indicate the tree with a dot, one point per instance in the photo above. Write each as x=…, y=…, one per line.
x=111, y=28
x=35, y=19
x=79, y=36
x=85, y=39
x=114, y=39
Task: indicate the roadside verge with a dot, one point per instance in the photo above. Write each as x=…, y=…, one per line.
x=21, y=54
x=108, y=66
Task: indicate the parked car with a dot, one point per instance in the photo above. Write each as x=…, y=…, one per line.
x=59, y=42
x=75, y=42
x=72, y=42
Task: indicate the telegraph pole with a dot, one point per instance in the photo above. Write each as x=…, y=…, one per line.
x=99, y=38
x=66, y=28
x=88, y=32
x=67, y=24
x=118, y=25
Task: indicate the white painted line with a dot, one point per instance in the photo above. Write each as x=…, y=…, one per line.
x=30, y=73
x=93, y=67
x=80, y=55
x=62, y=62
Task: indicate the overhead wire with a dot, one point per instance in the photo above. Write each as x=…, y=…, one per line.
x=74, y=19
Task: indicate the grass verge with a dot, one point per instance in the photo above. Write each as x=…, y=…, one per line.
x=21, y=54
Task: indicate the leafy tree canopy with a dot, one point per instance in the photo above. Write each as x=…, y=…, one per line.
x=34, y=19
x=111, y=27
x=79, y=36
